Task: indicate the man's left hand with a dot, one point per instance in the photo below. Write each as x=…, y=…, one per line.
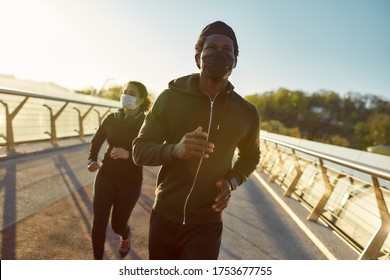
x=222, y=200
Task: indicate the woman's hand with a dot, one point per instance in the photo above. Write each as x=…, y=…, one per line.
x=119, y=153
x=93, y=166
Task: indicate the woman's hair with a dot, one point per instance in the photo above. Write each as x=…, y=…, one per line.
x=199, y=47
x=143, y=93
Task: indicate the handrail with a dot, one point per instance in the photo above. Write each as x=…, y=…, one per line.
x=48, y=97
x=381, y=173
x=349, y=204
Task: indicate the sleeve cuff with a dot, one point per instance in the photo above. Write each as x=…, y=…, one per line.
x=167, y=153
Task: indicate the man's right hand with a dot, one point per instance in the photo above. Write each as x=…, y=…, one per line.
x=193, y=144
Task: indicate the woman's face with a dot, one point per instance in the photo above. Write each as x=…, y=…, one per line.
x=132, y=90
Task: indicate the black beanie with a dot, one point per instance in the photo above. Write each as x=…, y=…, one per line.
x=220, y=27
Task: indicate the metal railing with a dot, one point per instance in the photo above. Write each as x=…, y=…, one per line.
x=29, y=117
x=351, y=197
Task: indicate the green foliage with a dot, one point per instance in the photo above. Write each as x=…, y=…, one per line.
x=87, y=91
x=338, y=141
x=112, y=93
x=375, y=131
x=277, y=127
x=362, y=136
x=355, y=120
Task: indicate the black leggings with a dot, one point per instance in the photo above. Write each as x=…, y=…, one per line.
x=121, y=196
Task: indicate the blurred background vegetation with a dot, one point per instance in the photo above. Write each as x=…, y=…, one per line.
x=354, y=120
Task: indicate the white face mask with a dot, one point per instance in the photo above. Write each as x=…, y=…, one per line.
x=128, y=102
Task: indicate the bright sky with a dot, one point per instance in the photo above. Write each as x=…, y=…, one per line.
x=339, y=45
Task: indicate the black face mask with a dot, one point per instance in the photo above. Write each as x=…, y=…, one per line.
x=218, y=66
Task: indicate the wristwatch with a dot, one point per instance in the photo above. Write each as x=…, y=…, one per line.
x=233, y=184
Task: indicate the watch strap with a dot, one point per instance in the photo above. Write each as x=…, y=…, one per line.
x=233, y=184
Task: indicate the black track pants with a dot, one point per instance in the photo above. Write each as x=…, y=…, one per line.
x=171, y=241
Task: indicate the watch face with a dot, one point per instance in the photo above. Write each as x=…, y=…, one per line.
x=234, y=183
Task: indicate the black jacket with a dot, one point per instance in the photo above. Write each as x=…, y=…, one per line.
x=186, y=189
x=119, y=131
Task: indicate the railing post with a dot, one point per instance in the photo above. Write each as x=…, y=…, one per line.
x=278, y=165
x=267, y=157
x=9, y=117
x=372, y=250
x=102, y=117
x=81, y=120
x=53, y=118
x=295, y=181
x=317, y=211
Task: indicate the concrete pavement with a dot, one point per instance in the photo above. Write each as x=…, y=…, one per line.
x=62, y=230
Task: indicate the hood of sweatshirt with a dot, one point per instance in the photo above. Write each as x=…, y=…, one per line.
x=190, y=85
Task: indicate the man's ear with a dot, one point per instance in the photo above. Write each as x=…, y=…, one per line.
x=197, y=60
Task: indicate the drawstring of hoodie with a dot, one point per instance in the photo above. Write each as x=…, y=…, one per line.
x=229, y=94
x=195, y=115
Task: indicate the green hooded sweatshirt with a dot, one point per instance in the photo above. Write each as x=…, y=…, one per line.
x=186, y=189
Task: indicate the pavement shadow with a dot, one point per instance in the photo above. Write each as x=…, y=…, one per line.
x=8, y=187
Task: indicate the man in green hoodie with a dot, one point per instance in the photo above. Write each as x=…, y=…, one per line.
x=193, y=131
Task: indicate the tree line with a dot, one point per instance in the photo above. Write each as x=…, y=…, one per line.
x=114, y=92
x=354, y=120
